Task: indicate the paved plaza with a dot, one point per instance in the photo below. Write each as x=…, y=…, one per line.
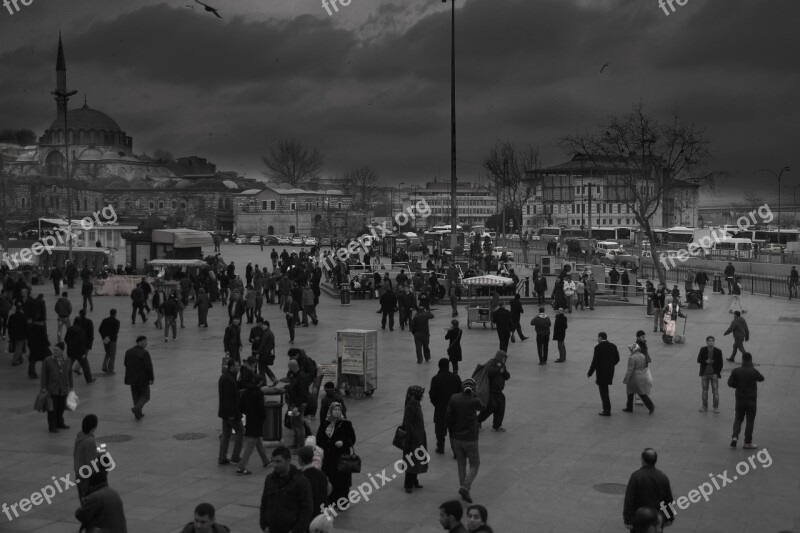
x=558, y=468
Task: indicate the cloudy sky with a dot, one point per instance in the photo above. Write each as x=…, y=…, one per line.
x=370, y=85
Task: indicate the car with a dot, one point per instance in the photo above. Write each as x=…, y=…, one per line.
x=270, y=240
x=284, y=239
x=255, y=239
x=297, y=241
x=242, y=240
x=535, y=237
x=620, y=257
x=498, y=251
x=311, y=241
x=325, y=241
x=770, y=249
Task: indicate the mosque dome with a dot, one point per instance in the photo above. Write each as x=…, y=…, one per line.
x=85, y=118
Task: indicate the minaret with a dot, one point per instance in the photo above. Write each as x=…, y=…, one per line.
x=61, y=79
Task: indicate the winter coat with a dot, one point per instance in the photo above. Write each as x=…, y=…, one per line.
x=101, y=509
x=388, y=302
x=38, y=343
x=63, y=307
x=414, y=424
x=745, y=380
x=252, y=406
x=229, y=400
x=17, y=327
x=138, y=367
x=57, y=376
x=739, y=329
x=716, y=356
x=76, y=341
x=232, y=341
x=454, y=348
x=541, y=324
x=443, y=386
x=286, y=503
x=560, y=327
x=637, y=378
x=606, y=357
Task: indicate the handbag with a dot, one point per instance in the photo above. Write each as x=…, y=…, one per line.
x=400, y=439
x=41, y=402
x=349, y=463
x=72, y=400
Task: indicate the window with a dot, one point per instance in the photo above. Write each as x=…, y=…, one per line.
x=270, y=230
x=152, y=205
x=183, y=205
x=264, y=205
x=291, y=229
x=272, y=205
x=339, y=205
x=174, y=204
x=292, y=207
x=138, y=204
x=161, y=204
x=528, y=210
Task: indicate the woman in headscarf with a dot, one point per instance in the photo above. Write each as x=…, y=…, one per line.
x=415, y=449
x=638, y=379
x=336, y=437
x=202, y=303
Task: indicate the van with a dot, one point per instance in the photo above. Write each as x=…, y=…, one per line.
x=603, y=247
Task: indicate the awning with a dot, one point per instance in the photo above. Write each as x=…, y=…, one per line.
x=56, y=221
x=182, y=238
x=177, y=262
x=81, y=250
x=488, y=280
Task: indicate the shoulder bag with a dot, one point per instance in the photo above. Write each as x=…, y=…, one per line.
x=400, y=440
x=349, y=463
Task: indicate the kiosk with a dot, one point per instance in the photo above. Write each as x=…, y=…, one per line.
x=357, y=361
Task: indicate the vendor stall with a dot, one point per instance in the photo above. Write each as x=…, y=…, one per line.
x=478, y=308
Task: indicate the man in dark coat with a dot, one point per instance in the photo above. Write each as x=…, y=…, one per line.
x=230, y=413
x=606, y=357
x=77, y=350
x=138, y=304
x=18, y=334
x=504, y=323
x=406, y=302
x=498, y=375
x=286, y=501
x=422, y=334
x=710, y=361
x=745, y=380
x=57, y=380
x=388, y=305
x=443, y=386
x=540, y=286
x=541, y=324
x=648, y=487
x=317, y=480
x=101, y=509
x=516, y=314
x=109, y=330
x=139, y=375
x=560, y=334
x=88, y=329
x=232, y=341
x=613, y=278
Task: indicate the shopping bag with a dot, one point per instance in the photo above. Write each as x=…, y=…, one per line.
x=41, y=402
x=72, y=400
x=481, y=377
x=400, y=439
x=349, y=463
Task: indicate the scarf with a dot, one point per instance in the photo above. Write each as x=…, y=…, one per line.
x=333, y=420
x=416, y=392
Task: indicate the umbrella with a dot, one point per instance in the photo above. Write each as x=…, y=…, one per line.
x=488, y=280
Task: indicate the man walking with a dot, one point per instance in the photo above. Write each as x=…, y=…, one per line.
x=138, y=303
x=388, y=303
x=498, y=375
x=462, y=421
x=232, y=340
x=505, y=325
x=648, y=487
x=57, y=381
x=745, y=380
x=541, y=324
x=730, y=272
x=606, y=357
x=613, y=278
x=63, y=311
x=741, y=334
x=559, y=334
x=540, y=286
x=407, y=303
x=591, y=291
x=710, y=361
x=516, y=314
x=286, y=501
x=87, y=289
x=139, y=375
x=170, y=310
x=109, y=330
x=443, y=386
x=422, y=335
x=230, y=413
x=736, y=295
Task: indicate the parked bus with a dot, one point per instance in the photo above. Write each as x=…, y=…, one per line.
x=735, y=247
x=680, y=236
x=771, y=236
x=549, y=233
x=622, y=235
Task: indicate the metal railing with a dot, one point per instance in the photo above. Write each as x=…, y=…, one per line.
x=761, y=284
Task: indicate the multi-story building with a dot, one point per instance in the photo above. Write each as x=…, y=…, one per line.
x=579, y=192
x=274, y=211
x=474, y=204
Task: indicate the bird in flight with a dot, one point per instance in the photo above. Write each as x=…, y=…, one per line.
x=601, y=70
x=209, y=8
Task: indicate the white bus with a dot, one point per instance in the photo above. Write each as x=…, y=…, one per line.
x=736, y=247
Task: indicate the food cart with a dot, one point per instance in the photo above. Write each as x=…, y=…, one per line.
x=478, y=309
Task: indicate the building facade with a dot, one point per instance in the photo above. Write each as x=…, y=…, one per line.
x=474, y=204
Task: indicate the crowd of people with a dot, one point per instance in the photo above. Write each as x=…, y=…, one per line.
x=294, y=496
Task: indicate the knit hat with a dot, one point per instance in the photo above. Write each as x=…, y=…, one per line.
x=468, y=383
x=416, y=392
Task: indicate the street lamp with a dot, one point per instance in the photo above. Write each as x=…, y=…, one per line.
x=453, y=195
x=62, y=97
x=777, y=175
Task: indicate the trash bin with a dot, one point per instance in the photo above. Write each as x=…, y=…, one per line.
x=717, y=283
x=344, y=294
x=650, y=309
x=273, y=423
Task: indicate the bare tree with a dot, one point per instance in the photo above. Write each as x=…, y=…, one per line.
x=163, y=155
x=509, y=169
x=290, y=162
x=751, y=200
x=643, y=161
x=362, y=184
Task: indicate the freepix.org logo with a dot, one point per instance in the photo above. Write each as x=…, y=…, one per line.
x=716, y=236
x=62, y=236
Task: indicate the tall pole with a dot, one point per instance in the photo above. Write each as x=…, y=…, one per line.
x=778, y=175
x=5, y=212
x=794, y=201
x=589, y=223
x=62, y=97
x=453, y=195
x=505, y=177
